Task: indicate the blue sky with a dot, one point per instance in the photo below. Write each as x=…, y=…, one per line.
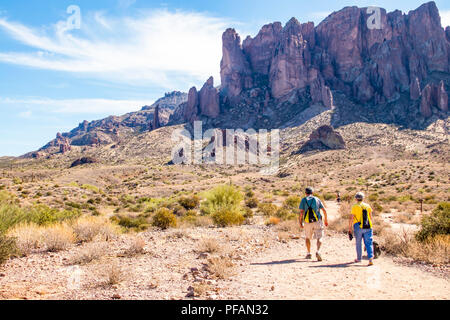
x=126, y=53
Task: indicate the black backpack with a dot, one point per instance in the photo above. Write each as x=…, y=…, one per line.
x=365, y=219
x=310, y=213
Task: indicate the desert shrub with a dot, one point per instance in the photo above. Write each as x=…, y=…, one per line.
x=209, y=245
x=135, y=223
x=248, y=213
x=136, y=247
x=196, y=221
x=8, y=248
x=191, y=213
x=329, y=196
x=221, y=199
x=227, y=217
x=220, y=267
x=251, y=202
x=373, y=197
x=115, y=274
x=190, y=202
x=437, y=223
x=57, y=237
x=249, y=192
x=164, y=219
x=93, y=251
x=292, y=202
x=28, y=237
x=88, y=228
x=272, y=221
x=283, y=213
x=43, y=215
x=433, y=250
x=267, y=209
x=11, y=214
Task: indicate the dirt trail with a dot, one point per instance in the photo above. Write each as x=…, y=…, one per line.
x=282, y=272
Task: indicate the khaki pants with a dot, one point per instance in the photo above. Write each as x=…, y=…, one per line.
x=314, y=230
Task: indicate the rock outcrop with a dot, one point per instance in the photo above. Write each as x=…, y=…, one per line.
x=235, y=71
x=209, y=99
x=323, y=138
x=433, y=95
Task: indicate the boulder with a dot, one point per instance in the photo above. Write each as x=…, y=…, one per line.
x=209, y=99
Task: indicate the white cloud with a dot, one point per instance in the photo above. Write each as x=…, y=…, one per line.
x=85, y=106
x=159, y=47
x=445, y=18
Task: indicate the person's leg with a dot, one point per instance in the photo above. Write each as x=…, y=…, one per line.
x=358, y=238
x=308, y=245
x=368, y=242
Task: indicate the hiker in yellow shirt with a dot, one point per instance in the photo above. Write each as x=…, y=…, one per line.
x=360, y=225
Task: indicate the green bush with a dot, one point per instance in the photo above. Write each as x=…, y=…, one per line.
x=267, y=209
x=248, y=213
x=438, y=223
x=329, y=196
x=251, y=202
x=222, y=197
x=164, y=219
x=11, y=214
x=139, y=223
x=292, y=202
x=8, y=248
x=189, y=203
x=283, y=213
x=227, y=217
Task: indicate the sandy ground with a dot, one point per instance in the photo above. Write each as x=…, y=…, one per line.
x=265, y=267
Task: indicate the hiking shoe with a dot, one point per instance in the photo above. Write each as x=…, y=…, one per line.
x=318, y=256
x=370, y=263
x=308, y=256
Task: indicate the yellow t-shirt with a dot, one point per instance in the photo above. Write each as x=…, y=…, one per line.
x=357, y=211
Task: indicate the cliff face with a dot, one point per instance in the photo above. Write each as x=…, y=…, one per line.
x=370, y=66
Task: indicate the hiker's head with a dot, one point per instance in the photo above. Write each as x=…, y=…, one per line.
x=309, y=191
x=359, y=196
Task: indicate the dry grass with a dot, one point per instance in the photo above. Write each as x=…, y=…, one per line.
x=220, y=267
x=136, y=247
x=201, y=288
x=28, y=237
x=290, y=226
x=89, y=228
x=93, y=251
x=57, y=237
x=209, y=245
x=115, y=274
x=435, y=250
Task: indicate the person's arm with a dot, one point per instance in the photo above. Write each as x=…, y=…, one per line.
x=302, y=212
x=300, y=218
x=350, y=222
x=325, y=215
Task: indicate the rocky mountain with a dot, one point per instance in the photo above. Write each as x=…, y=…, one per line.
x=114, y=128
x=342, y=71
x=396, y=73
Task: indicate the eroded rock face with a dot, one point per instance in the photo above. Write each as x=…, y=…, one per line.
x=191, y=109
x=260, y=50
x=63, y=143
x=433, y=95
x=156, y=123
x=369, y=65
x=209, y=99
x=289, y=68
x=426, y=101
x=234, y=68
